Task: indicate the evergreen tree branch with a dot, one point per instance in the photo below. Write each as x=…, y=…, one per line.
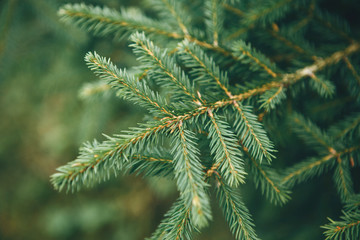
x=172, y=6
x=152, y=55
x=272, y=97
x=333, y=23
x=314, y=166
x=270, y=183
x=342, y=179
x=96, y=160
x=105, y=21
x=307, y=169
x=235, y=211
x=346, y=228
x=214, y=19
x=244, y=53
x=267, y=12
x=352, y=69
x=274, y=32
x=177, y=223
x=149, y=165
x=321, y=63
x=313, y=136
x=310, y=15
x=203, y=67
x=268, y=180
x=251, y=133
x=225, y=150
x=233, y=9
x=350, y=126
x=287, y=80
x=324, y=87
x=127, y=84
x=353, y=203
x=190, y=176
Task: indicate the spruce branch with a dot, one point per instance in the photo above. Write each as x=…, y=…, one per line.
x=271, y=98
x=225, y=150
x=285, y=38
x=307, y=169
x=352, y=203
x=129, y=87
x=190, y=176
x=305, y=21
x=235, y=211
x=96, y=160
x=346, y=228
x=348, y=127
x=247, y=55
x=150, y=165
x=252, y=134
x=268, y=12
x=321, y=63
x=106, y=21
x=203, y=68
x=177, y=223
x=70, y=175
x=286, y=80
x=177, y=13
x=352, y=69
x=166, y=68
x=333, y=23
x=342, y=179
x=214, y=19
x=311, y=134
x=313, y=166
x=324, y=87
x=269, y=182
x=195, y=78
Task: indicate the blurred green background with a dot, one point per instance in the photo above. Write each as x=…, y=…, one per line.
x=44, y=120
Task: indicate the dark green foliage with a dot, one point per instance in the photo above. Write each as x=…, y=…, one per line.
x=235, y=211
x=212, y=78
x=190, y=177
x=347, y=228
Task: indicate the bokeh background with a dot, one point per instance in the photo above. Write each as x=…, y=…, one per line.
x=45, y=115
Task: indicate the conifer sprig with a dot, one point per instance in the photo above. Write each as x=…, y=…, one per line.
x=178, y=17
x=348, y=127
x=269, y=182
x=168, y=73
x=214, y=14
x=256, y=60
x=220, y=95
x=106, y=21
x=252, y=134
x=313, y=136
x=343, y=180
x=267, y=12
x=236, y=213
x=353, y=203
x=204, y=69
x=177, y=223
x=129, y=87
x=346, y=228
x=307, y=169
x=225, y=150
x=190, y=176
x=97, y=160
